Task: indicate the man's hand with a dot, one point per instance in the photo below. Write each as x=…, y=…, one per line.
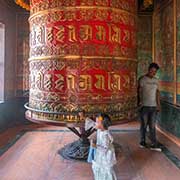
x=140, y=104
x=158, y=101
x=158, y=108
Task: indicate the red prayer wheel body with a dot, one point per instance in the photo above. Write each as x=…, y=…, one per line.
x=82, y=56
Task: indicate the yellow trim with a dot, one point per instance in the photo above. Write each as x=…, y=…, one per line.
x=80, y=57
x=175, y=49
x=169, y=135
x=153, y=39
x=23, y=4
x=80, y=7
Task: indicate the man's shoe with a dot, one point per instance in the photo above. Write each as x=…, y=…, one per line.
x=155, y=148
x=142, y=144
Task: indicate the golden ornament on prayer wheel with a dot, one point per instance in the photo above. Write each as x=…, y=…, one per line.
x=82, y=56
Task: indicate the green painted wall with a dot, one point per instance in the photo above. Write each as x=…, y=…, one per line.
x=164, y=49
x=144, y=38
x=178, y=52
x=170, y=118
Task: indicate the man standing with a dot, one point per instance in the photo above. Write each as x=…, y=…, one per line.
x=149, y=103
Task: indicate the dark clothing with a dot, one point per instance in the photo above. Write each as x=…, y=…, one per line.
x=148, y=118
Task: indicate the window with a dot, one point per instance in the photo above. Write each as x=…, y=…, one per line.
x=2, y=52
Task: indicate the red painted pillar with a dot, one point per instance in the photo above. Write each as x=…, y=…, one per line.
x=82, y=55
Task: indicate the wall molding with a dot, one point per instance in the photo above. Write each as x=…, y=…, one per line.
x=168, y=135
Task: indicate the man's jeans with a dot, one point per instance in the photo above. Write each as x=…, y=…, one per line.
x=148, y=118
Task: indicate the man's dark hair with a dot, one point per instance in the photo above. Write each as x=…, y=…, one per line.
x=153, y=65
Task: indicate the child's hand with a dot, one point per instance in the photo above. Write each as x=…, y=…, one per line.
x=92, y=143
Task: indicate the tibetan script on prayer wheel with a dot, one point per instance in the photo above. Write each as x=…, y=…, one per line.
x=82, y=56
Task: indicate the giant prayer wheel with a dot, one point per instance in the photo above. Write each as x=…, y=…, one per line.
x=82, y=56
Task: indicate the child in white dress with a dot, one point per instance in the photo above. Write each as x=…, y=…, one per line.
x=105, y=158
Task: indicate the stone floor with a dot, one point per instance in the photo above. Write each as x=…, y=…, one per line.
x=30, y=153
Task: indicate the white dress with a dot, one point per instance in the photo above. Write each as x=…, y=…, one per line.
x=89, y=123
x=105, y=157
